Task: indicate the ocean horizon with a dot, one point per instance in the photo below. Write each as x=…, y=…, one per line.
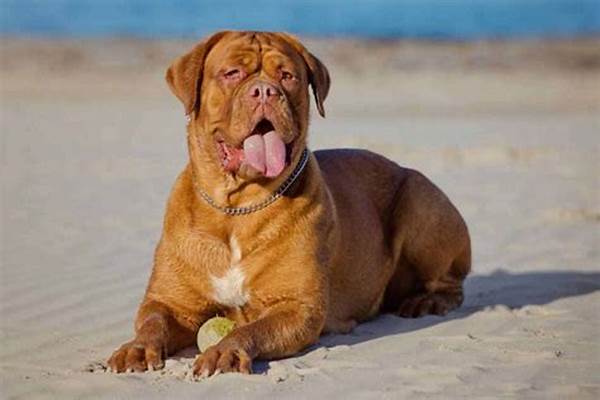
x=429, y=19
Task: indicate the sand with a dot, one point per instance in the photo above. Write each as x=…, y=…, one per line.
x=92, y=141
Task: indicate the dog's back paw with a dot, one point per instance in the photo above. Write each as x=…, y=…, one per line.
x=440, y=303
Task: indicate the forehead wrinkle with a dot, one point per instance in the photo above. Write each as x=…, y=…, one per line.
x=232, y=56
x=271, y=43
x=274, y=59
x=256, y=50
x=229, y=45
x=244, y=57
x=274, y=43
x=255, y=39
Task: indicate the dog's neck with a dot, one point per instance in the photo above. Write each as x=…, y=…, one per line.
x=227, y=189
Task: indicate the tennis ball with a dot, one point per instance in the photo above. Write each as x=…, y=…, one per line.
x=212, y=331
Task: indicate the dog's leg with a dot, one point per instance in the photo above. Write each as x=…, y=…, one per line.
x=437, y=297
x=411, y=293
x=432, y=250
x=433, y=293
x=158, y=334
x=285, y=329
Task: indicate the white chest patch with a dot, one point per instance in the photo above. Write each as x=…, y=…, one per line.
x=229, y=290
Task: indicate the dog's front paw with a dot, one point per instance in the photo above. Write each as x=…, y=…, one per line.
x=137, y=356
x=222, y=358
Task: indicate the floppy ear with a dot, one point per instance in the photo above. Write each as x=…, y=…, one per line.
x=319, y=80
x=184, y=76
x=317, y=72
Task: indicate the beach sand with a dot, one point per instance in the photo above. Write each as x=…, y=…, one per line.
x=92, y=141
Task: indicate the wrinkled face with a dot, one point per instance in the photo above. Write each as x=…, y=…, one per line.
x=253, y=102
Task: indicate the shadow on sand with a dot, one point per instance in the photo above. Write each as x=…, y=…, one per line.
x=482, y=291
x=499, y=288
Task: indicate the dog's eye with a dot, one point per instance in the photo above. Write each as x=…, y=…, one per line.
x=233, y=74
x=286, y=76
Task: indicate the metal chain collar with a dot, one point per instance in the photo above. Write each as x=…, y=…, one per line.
x=268, y=201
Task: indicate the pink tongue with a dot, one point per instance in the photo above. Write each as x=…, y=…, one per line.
x=254, y=152
x=265, y=153
x=274, y=154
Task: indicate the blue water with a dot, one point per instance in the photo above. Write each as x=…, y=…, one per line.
x=437, y=19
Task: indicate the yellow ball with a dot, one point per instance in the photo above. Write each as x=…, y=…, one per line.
x=212, y=331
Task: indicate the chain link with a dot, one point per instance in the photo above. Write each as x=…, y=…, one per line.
x=269, y=200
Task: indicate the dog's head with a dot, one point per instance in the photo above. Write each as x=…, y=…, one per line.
x=246, y=94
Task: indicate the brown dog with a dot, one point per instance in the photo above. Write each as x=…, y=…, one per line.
x=287, y=243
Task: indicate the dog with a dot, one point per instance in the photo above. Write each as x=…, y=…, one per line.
x=288, y=243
